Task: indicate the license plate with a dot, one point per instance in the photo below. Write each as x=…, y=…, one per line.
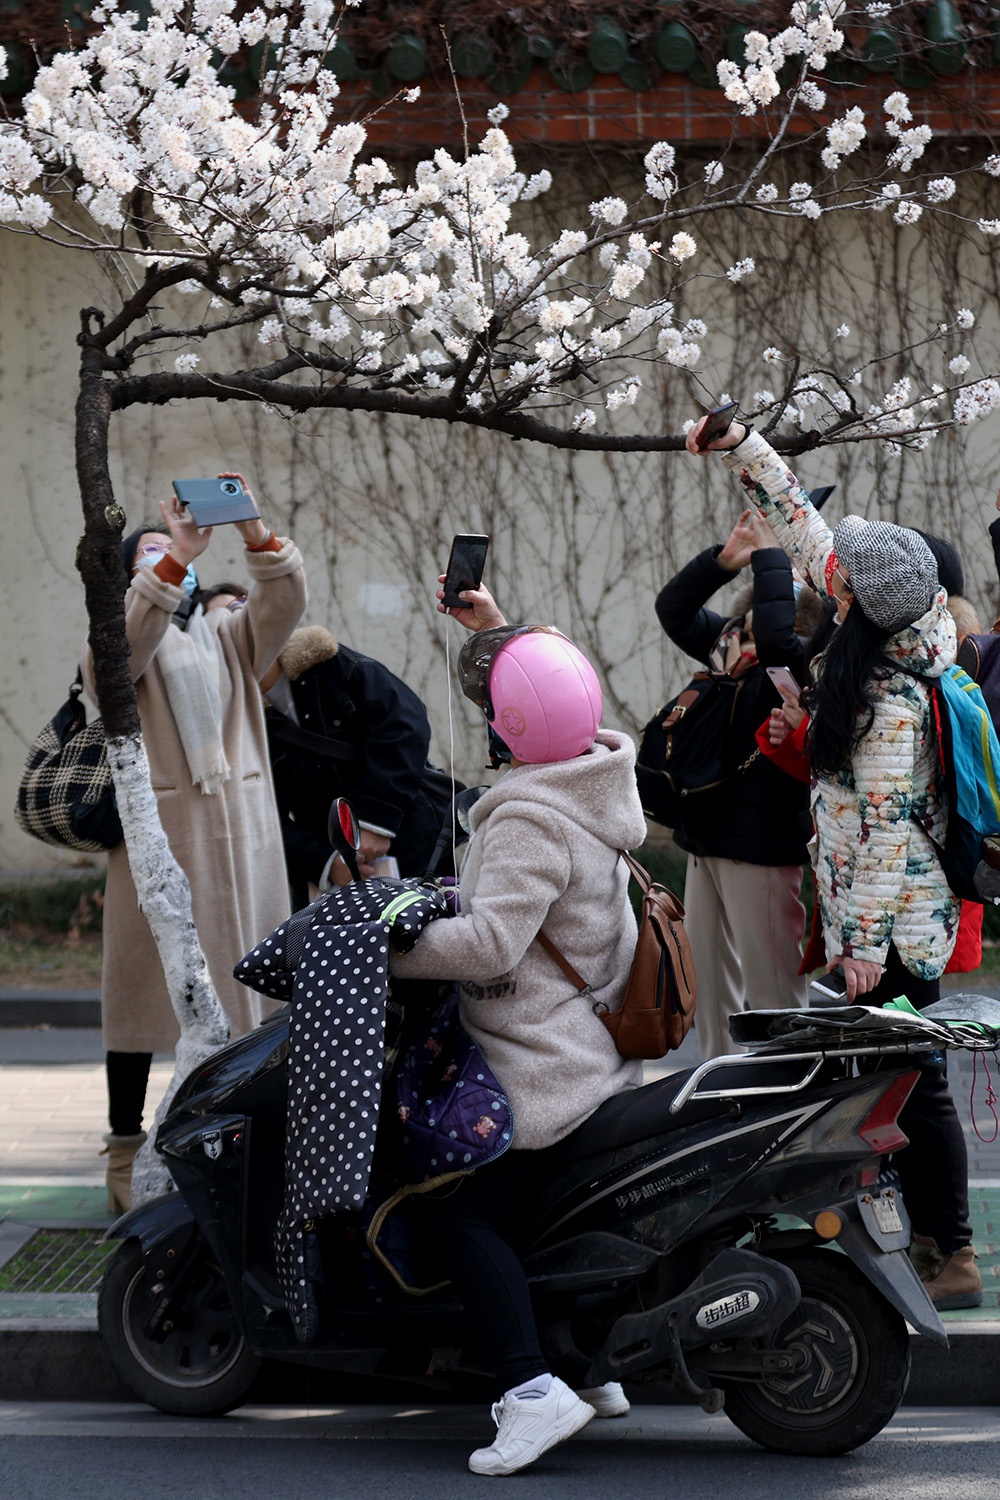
x=887, y=1214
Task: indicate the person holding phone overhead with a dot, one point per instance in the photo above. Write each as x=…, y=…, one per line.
x=887, y=913
x=202, y=722
x=746, y=840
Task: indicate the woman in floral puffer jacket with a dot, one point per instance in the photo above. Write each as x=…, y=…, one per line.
x=888, y=915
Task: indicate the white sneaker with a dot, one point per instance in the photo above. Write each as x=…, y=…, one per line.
x=607, y=1400
x=527, y=1429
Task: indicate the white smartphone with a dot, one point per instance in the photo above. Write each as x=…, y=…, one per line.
x=832, y=986
x=785, y=683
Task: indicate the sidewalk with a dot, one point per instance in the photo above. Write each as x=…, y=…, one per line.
x=53, y=1214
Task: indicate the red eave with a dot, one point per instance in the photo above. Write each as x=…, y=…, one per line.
x=675, y=110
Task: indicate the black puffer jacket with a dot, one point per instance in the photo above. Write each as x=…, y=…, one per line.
x=762, y=815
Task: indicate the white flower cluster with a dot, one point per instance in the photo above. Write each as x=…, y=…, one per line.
x=659, y=163
x=812, y=38
x=843, y=137
x=742, y=269
x=976, y=401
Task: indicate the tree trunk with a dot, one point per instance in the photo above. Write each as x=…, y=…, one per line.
x=161, y=885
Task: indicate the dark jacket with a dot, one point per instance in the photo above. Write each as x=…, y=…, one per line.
x=381, y=729
x=762, y=815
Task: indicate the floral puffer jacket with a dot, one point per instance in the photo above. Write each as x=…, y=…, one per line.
x=878, y=877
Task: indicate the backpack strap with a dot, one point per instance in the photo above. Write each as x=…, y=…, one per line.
x=558, y=957
x=643, y=879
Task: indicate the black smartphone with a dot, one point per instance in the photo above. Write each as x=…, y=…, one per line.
x=720, y=419
x=465, y=568
x=832, y=986
x=214, y=502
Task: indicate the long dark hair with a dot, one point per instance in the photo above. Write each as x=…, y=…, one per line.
x=843, y=703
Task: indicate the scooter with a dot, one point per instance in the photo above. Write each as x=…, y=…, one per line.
x=728, y=1228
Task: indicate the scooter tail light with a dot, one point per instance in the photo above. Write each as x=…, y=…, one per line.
x=880, y=1128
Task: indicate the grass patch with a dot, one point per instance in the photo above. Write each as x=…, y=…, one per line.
x=62, y=904
x=50, y=932
x=57, y=1260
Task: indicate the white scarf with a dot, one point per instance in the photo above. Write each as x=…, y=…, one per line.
x=189, y=662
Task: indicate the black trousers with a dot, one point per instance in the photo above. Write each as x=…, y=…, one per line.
x=934, y=1168
x=128, y=1075
x=473, y=1223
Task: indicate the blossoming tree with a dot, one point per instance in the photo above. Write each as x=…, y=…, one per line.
x=417, y=294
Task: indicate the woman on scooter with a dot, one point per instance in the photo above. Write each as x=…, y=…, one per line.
x=888, y=915
x=544, y=854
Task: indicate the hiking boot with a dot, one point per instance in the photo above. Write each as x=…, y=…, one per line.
x=927, y=1258
x=528, y=1428
x=607, y=1400
x=959, y=1284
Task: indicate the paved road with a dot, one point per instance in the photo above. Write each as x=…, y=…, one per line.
x=48, y=1452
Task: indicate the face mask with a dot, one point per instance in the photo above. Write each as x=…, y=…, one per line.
x=188, y=583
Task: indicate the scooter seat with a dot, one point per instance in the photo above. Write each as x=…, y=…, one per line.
x=640, y=1114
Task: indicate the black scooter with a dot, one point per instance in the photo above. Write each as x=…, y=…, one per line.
x=725, y=1228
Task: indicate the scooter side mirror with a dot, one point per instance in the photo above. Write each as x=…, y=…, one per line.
x=344, y=833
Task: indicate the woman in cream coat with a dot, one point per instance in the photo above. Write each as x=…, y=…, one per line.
x=202, y=720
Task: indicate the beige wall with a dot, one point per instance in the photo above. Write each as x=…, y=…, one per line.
x=582, y=541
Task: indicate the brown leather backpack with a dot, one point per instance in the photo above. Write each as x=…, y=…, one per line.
x=657, y=1009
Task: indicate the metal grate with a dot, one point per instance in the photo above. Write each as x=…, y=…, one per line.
x=57, y=1260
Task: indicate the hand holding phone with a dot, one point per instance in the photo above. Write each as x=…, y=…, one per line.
x=717, y=424
x=465, y=568
x=218, y=501
x=832, y=986
x=788, y=688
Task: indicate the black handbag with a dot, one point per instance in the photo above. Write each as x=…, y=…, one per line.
x=65, y=796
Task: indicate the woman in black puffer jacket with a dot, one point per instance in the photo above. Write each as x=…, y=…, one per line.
x=746, y=841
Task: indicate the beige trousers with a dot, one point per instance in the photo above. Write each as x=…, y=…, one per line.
x=745, y=923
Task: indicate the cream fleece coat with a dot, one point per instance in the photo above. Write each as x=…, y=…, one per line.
x=544, y=854
x=228, y=845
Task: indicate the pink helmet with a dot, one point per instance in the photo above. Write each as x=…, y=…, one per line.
x=542, y=696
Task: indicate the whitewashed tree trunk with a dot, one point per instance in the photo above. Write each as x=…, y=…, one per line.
x=165, y=901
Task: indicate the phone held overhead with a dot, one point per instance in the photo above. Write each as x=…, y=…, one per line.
x=465, y=568
x=718, y=422
x=215, y=502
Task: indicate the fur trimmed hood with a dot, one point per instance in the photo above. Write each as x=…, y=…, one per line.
x=306, y=648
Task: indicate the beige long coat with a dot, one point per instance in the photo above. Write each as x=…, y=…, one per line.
x=229, y=845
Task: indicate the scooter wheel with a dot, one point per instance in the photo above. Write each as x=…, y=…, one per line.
x=854, y=1363
x=199, y=1364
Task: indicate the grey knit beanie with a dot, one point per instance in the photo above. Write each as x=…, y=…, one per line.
x=892, y=570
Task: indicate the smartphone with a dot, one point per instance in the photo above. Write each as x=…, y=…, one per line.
x=785, y=683
x=832, y=986
x=213, y=502
x=465, y=568
x=719, y=421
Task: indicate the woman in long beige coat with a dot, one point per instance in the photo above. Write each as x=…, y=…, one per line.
x=202, y=722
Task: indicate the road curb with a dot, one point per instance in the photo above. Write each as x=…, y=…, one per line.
x=40, y=1362
x=60, y=1008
